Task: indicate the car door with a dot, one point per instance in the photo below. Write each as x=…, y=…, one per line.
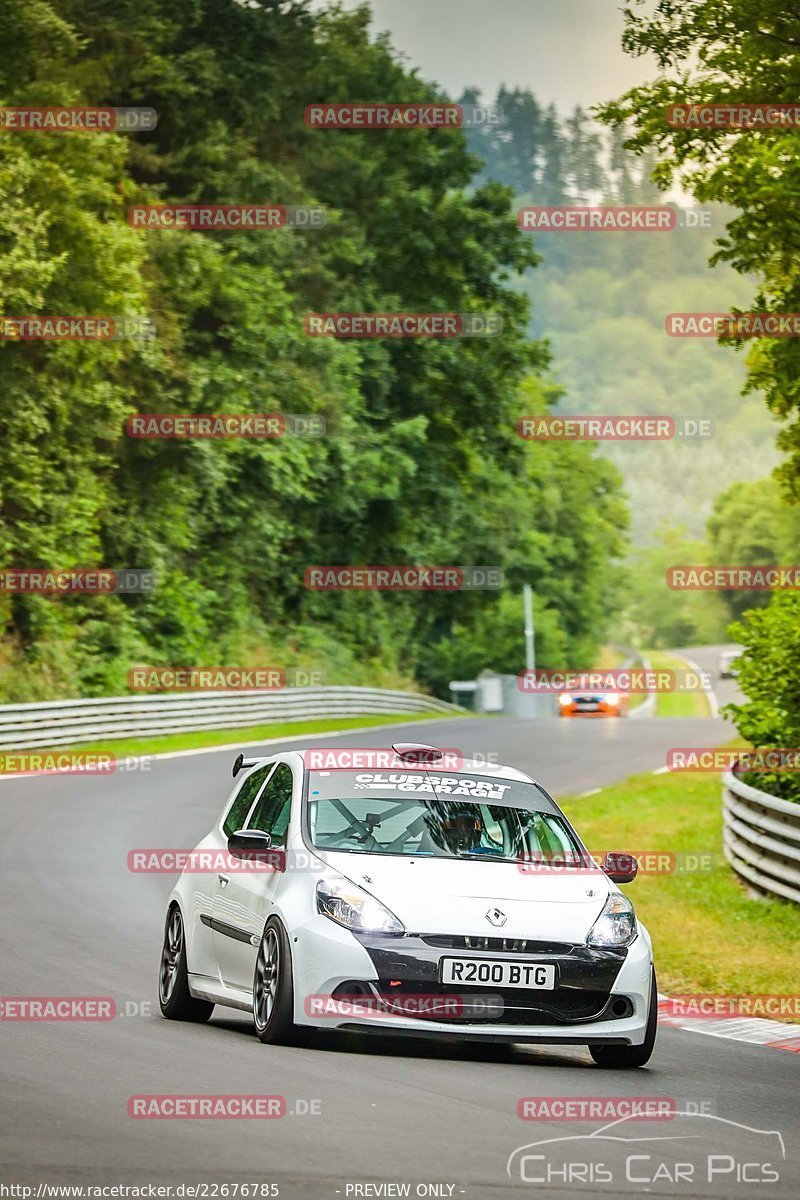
x=205, y=883
x=243, y=897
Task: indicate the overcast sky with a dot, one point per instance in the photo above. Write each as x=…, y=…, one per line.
x=567, y=51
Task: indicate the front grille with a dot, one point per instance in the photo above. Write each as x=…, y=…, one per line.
x=497, y=944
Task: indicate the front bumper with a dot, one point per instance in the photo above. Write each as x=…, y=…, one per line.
x=600, y=996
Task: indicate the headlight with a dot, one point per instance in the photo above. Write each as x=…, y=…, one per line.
x=354, y=908
x=565, y=700
x=612, y=699
x=616, y=925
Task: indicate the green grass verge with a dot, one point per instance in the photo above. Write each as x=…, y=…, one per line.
x=198, y=740
x=709, y=935
x=677, y=704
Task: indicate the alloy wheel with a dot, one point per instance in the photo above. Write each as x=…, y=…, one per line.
x=265, y=989
x=170, y=955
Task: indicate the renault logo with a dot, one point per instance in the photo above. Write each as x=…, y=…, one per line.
x=496, y=916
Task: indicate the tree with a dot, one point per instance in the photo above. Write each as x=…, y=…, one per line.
x=421, y=463
x=724, y=52
x=600, y=300
x=64, y=249
x=623, y=181
x=583, y=147
x=658, y=617
x=752, y=525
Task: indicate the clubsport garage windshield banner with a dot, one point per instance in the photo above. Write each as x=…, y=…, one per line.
x=327, y=785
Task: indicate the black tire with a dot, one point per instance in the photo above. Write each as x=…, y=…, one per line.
x=273, y=988
x=174, y=998
x=623, y=1058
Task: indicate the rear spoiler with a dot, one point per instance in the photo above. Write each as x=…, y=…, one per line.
x=243, y=764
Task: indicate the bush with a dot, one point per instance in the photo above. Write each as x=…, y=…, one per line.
x=770, y=677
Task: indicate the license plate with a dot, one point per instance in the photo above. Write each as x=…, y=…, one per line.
x=497, y=973
x=587, y=707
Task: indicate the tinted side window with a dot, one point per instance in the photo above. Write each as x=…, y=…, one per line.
x=244, y=799
x=275, y=806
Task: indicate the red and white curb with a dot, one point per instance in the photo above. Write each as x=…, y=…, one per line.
x=759, y=1031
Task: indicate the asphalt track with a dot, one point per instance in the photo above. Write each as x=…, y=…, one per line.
x=76, y=922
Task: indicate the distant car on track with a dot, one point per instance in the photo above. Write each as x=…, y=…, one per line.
x=410, y=900
x=593, y=704
x=726, y=660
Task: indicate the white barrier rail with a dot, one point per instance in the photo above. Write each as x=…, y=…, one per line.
x=761, y=838
x=71, y=722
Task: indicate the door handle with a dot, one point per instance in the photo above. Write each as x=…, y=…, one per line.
x=224, y=880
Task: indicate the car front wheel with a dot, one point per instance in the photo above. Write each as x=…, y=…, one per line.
x=623, y=1058
x=273, y=987
x=176, y=1001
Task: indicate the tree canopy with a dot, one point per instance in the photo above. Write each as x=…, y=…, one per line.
x=421, y=463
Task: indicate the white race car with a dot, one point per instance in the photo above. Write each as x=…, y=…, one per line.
x=726, y=660
x=412, y=900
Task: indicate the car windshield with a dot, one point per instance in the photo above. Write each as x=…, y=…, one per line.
x=424, y=813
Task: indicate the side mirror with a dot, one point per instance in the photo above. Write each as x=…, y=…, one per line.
x=252, y=845
x=620, y=867
x=249, y=839
x=242, y=764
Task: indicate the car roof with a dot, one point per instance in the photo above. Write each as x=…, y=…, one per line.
x=469, y=766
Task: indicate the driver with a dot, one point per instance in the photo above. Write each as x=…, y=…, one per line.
x=463, y=832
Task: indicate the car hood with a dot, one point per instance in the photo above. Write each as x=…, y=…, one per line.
x=445, y=896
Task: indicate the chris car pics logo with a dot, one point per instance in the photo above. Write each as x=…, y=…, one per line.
x=700, y=1154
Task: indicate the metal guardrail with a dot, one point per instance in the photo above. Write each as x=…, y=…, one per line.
x=761, y=838
x=71, y=722
x=501, y=693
